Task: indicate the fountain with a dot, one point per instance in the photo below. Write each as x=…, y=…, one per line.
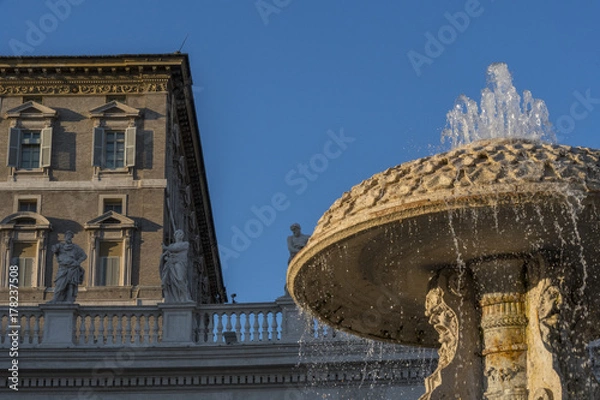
x=487, y=251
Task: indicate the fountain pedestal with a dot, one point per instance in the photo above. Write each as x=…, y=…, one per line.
x=488, y=252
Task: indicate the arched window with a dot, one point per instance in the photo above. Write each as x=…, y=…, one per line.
x=24, y=242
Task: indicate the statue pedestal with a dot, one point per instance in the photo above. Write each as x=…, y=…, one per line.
x=59, y=324
x=178, y=323
x=294, y=325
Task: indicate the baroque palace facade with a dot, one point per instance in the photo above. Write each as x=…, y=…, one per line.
x=108, y=147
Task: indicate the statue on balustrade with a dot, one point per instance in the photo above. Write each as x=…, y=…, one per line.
x=296, y=241
x=173, y=270
x=70, y=273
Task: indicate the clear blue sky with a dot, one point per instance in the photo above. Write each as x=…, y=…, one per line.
x=299, y=100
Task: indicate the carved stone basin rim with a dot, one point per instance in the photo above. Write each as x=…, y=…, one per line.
x=366, y=268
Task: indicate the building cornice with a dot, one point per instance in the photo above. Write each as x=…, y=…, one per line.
x=128, y=74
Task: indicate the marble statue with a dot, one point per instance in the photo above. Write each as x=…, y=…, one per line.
x=173, y=270
x=70, y=273
x=296, y=241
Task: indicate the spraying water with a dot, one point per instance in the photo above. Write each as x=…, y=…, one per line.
x=500, y=114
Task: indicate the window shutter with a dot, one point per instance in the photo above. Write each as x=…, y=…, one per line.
x=130, y=146
x=14, y=140
x=98, y=145
x=46, y=147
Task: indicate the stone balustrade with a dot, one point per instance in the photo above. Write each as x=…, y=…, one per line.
x=118, y=326
x=124, y=326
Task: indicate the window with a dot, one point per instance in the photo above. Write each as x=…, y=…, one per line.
x=112, y=202
x=30, y=138
x=115, y=205
x=110, y=252
x=114, y=149
x=25, y=253
x=114, y=137
x=24, y=243
x=27, y=205
x=29, y=149
x=109, y=271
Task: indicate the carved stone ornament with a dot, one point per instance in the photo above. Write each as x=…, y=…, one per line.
x=62, y=88
x=445, y=322
x=501, y=375
x=482, y=166
x=551, y=302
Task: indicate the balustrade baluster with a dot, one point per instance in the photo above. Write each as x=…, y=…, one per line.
x=100, y=340
x=210, y=333
x=255, y=335
x=25, y=329
x=128, y=333
x=201, y=327
x=228, y=317
x=265, y=327
x=274, y=327
x=154, y=329
x=92, y=335
x=247, y=327
x=137, y=329
x=219, y=327
x=238, y=326
x=146, y=334
x=119, y=334
x=79, y=329
x=36, y=330
x=109, y=329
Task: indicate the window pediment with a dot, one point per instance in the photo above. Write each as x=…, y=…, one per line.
x=110, y=219
x=114, y=109
x=28, y=218
x=32, y=110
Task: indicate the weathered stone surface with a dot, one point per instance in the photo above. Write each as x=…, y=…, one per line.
x=486, y=167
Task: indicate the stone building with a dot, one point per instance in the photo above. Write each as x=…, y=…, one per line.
x=107, y=147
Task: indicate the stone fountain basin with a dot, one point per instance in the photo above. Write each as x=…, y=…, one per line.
x=367, y=267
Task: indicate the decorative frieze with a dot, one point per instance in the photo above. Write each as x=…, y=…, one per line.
x=20, y=88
